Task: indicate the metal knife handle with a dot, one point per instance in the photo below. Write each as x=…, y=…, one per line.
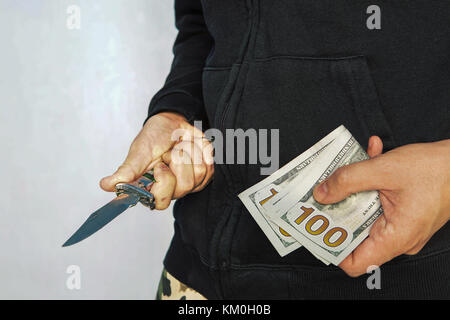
x=139, y=188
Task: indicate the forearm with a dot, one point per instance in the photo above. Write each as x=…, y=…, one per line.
x=182, y=92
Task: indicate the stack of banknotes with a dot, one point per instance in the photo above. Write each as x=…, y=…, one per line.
x=284, y=207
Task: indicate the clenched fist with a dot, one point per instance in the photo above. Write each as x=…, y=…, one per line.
x=178, y=153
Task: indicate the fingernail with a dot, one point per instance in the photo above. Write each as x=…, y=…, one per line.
x=322, y=190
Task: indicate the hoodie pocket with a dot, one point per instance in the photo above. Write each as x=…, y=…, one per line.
x=305, y=99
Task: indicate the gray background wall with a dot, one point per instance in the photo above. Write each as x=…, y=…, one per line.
x=71, y=101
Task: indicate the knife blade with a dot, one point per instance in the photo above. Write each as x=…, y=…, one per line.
x=128, y=195
x=102, y=217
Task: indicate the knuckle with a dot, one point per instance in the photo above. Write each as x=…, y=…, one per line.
x=161, y=167
x=412, y=252
x=353, y=272
x=341, y=176
x=159, y=206
x=414, y=240
x=415, y=247
x=162, y=203
x=127, y=170
x=177, y=157
x=354, y=269
x=200, y=171
x=185, y=185
x=199, y=188
x=411, y=243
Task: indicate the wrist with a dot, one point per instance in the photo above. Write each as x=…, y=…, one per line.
x=174, y=117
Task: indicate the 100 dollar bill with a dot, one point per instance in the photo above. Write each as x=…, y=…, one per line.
x=257, y=197
x=329, y=231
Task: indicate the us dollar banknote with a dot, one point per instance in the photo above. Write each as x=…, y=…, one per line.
x=258, y=196
x=284, y=208
x=332, y=231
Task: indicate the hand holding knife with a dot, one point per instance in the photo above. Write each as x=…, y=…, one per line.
x=190, y=170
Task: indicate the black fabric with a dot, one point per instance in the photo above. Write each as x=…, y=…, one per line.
x=182, y=91
x=304, y=67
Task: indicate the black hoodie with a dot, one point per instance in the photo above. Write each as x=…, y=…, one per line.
x=304, y=67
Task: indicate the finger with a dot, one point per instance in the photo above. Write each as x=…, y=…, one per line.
x=153, y=164
x=356, y=177
x=208, y=160
x=180, y=164
x=195, y=153
x=123, y=174
x=164, y=187
x=383, y=244
x=208, y=152
x=140, y=155
x=375, y=146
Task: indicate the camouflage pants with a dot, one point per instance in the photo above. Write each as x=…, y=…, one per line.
x=170, y=288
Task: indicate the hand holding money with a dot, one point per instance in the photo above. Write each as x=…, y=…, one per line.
x=290, y=216
x=414, y=186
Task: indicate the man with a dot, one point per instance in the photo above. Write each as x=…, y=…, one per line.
x=305, y=67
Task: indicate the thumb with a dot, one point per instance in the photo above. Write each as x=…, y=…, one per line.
x=124, y=174
x=375, y=146
x=353, y=178
x=140, y=157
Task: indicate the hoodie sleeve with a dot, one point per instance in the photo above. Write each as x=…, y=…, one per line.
x=182, y=91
